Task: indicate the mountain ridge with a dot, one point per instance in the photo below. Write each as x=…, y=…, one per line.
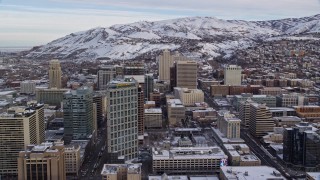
x=198, y=37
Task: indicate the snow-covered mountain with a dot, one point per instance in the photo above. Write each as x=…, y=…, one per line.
x=199, y=37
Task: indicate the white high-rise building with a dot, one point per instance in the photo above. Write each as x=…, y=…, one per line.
x=232, y=75
x=122, y=118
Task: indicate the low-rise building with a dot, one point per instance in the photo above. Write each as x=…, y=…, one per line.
x=309, y=113
x=121, y=172
x=189, y=97
x=240, y=155
x=273, y=91
x=250, y=172
x=187, y=160
x=44, y=161
x=153, y=118
x=27, y=87
x=286, y=121
x=176, y=111
x=72, y=159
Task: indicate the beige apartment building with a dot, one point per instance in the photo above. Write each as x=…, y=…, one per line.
x=189, y=97
x=44, y=161
x=19, y=127
x=72, y=159
x=55, y=74
x=121, y=172
x=261, y=121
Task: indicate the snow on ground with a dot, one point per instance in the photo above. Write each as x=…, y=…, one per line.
x=144, y=35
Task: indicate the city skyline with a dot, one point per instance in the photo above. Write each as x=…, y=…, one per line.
x=38, y=22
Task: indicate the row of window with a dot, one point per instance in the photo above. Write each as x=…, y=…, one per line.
x=130, y=113
x=123, y=93
x=123, y=107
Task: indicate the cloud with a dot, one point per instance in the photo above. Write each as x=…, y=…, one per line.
x=230, y=9
x=37, y=22
x=29, y=26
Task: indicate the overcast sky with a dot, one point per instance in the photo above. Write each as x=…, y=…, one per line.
x=36, y=22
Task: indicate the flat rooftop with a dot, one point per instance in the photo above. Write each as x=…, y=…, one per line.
x=251, y=173
x=153, y=110
x=213, y=152
x=168, y=177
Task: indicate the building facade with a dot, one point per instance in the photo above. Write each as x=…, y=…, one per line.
x=187, y=160
x=121, y=172
x=19, y=127
x=55, y=74
x=176, y=111
x=78, y=114
x=148, y=87
x=52, y=97
x=229, y=125
x=301, y=147
x=72, y=159
x=122, y=118
x=232, y=75
x=189, y=97
x=261, y=121
x=153, y=118
x=27, y=87
x=44, y=161
x=105, y=75
x=187, y=74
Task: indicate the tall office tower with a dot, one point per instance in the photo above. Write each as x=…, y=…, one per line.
x=55, y=74
x=232, y=75
x=261, y=121
x=140, y=111
x=244, y=111
x=98, y=100
x=173, y=76
x=148, y=85
x=40, y=122
x=165, y=62
x=187, y=74
x=301, y=147
x=44, y=161
x=78, y=114
x=122, y=118
x=19, y=127
x=105, y=75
